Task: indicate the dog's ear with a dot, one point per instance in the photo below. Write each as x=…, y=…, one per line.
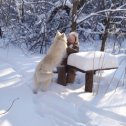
x=58, y=33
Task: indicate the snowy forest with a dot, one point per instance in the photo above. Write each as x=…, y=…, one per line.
x=35, y=22
x=31, y=32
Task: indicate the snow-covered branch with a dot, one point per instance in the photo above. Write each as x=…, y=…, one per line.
x=117, y=17
x=59, y=5
x=89, y=31
x=99, y=12
x=39, y=2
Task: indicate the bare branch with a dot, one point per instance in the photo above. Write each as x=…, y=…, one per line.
x=10, y=106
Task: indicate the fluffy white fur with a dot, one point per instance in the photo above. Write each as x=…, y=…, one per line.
x=44, y=70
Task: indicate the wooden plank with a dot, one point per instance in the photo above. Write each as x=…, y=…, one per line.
x=84, y=71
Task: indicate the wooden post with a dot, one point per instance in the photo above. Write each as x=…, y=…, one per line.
x=61, y=75
x=89, y=81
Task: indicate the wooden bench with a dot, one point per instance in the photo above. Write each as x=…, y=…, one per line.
x=89, y=77
x=90, y=62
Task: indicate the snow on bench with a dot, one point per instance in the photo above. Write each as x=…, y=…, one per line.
x=89, y=62
x=92, y=60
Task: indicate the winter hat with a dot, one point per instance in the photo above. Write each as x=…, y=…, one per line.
x=75, y=34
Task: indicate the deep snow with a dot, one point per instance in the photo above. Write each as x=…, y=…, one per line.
x=59, y=106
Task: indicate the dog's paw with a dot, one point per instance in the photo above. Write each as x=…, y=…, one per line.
x=35, y=91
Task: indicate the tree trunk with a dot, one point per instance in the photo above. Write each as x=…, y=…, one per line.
x=105, y=34
x=22, y=11
x=74, y=15
x=0, y=32
x=107, y=25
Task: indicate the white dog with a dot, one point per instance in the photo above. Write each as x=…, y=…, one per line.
x=44, y=70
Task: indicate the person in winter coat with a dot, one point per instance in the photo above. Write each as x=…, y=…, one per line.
x=73, y=47
x=68, y=74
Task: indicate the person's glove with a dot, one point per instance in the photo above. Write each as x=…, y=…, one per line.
x=71, y=46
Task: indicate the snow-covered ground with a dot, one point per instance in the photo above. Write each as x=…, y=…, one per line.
x=59, y=106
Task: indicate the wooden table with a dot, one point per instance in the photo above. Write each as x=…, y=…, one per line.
x=90, y=62
x=89, y=77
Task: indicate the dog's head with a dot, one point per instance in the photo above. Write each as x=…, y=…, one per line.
x=61, y=36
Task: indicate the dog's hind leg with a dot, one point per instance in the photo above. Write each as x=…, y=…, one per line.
x=37, y=86
x=46, y=85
